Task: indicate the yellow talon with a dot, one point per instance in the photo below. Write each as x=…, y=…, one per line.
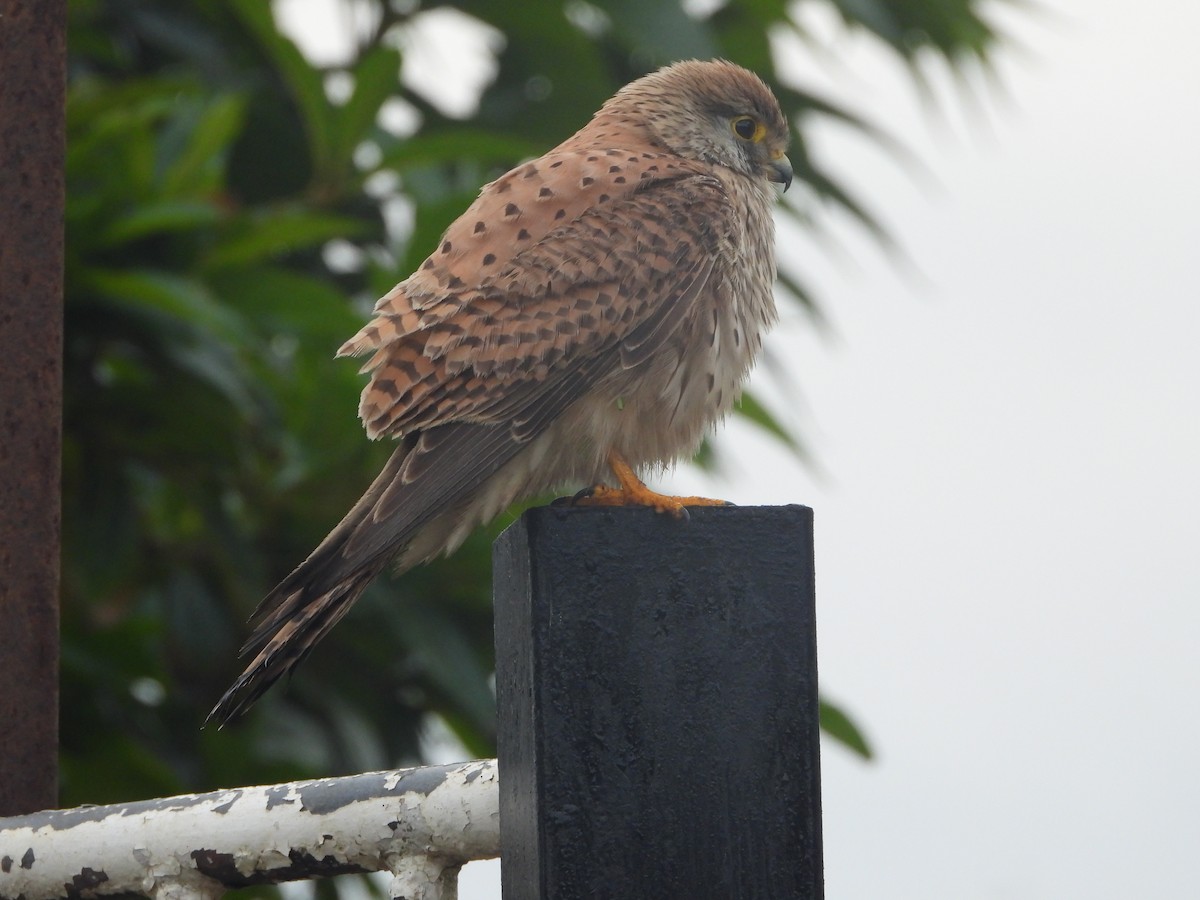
x=633, y=492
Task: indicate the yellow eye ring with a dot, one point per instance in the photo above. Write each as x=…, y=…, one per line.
x=748, y=128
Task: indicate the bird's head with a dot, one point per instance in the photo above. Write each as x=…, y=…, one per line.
x=713, y=111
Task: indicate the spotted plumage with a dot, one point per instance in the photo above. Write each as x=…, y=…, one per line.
x=594, y=310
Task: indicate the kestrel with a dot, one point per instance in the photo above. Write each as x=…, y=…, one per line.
x=593, y=312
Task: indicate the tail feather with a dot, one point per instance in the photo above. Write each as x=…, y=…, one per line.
x=283, y=648
x=403, y=517
x=302, y=608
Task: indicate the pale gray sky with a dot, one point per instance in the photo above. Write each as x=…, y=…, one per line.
x=1008, y=545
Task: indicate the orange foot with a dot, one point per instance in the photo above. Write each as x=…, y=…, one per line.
x=633, y=492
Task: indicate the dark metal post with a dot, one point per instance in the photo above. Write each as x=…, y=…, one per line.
x=32, y=87
x=657, y=691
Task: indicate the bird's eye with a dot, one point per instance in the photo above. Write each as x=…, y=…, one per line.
x=747, y=128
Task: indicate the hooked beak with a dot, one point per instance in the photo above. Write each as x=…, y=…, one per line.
x=781, y=172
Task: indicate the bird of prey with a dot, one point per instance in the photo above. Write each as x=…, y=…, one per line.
x=592, y=313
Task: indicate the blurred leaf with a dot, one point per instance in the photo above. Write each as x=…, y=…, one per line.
x=198, y=165
x=875, y=15
x=437, y=149
x=155, y=218
x=376, y=78
x=303, y=80
x=214, y=365
x=749, y=407
x=116, y=770
x=839, y=726
x=804, y=298
x=274, y=233
x=282, y=301
x=440, y=653
x=674, y=33
x=176, y=297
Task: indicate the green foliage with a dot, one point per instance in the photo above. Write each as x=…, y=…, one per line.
x=210, y=437
x=836, y=723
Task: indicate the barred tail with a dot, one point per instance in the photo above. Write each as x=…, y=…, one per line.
x=435, y=489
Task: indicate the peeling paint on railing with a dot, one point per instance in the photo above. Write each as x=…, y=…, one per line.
x=419, y=824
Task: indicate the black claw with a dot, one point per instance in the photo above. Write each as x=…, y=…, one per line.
x=575, y=498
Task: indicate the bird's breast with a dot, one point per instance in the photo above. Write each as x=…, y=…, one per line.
x=658, y=412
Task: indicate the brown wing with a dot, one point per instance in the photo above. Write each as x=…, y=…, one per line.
x=509, y=298
x=597, y=294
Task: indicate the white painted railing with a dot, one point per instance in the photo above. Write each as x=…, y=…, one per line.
x=421, y=825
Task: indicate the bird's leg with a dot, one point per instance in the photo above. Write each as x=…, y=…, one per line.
x=633, y=492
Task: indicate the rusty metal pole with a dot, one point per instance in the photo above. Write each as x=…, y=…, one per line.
x=32, y=91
